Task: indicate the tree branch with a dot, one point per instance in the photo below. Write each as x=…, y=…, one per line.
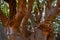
x=12, y=7
x=26, y=17
x=36, y=15
x=51, y=17
x=4, y=19
x=21, y=11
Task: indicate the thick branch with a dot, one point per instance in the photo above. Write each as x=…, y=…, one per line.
x=48, y=4
x=12, y=7
x=28, y=13
x=26, y=17
x=36, y=15
x=51, y=17
x=54, y=13
x=15, y=23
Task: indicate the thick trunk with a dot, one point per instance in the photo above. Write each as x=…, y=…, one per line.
x=12, y=7
x=21, y=11
x=23, y=14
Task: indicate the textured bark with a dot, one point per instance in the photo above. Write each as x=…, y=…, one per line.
x=48, y=8
x=24, y=13
x=53, y=14
x=12, y=7
x=48, y=4
x=39, y=9
x=3, y=18
x=3, y=35
x=12, y=12
x=26, y=17
x=28, y=13
x=21, y=11
x=36, y=15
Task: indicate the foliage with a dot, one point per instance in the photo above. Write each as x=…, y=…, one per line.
x=5, y=8
x=57, y=24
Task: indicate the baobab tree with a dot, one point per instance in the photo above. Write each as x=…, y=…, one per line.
x=42, y=18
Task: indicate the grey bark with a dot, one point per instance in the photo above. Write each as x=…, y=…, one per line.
x=3, y=35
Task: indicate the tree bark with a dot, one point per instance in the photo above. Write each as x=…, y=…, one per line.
x=26, y=17
x=4, y=19
x=12, y=7
x=19, y=15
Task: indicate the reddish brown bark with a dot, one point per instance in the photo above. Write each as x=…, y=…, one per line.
x=23, y=14
x=36, y=15
x=26, y=17
x=51, y=18
x=48, y=3
x=15, y=23
x=12, y=7
x=3, y=18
